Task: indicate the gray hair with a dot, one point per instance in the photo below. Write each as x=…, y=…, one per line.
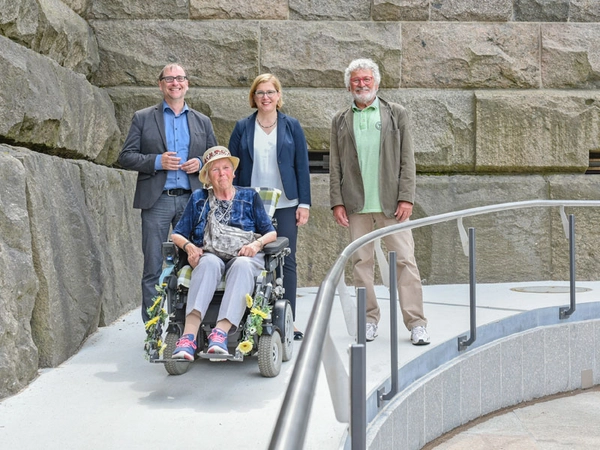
x=365, y=64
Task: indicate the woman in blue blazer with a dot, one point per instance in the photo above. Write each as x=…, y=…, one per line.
x=273, y=153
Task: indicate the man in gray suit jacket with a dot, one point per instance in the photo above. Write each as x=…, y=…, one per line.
x=165, y=145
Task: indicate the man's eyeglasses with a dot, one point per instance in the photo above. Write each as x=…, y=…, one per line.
x=365, y=80
x=179, y=78
x=267, y=93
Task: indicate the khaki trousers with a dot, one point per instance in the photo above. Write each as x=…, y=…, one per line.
x=410, y=290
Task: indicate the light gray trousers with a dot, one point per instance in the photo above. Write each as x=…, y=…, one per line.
x=239, y=273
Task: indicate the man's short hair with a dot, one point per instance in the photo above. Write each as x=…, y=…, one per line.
x=365, y=64
x=171, y=66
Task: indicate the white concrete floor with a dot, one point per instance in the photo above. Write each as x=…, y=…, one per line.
x=108, y=396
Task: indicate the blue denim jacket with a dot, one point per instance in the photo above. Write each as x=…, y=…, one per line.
x=247, y=213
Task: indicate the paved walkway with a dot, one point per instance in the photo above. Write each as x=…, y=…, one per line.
x=109, y=397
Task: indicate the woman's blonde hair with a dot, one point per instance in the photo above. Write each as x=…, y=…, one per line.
x=265, y=78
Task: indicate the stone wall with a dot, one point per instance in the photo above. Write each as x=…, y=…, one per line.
x=503, y=97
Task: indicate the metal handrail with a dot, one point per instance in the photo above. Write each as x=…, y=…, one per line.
x=290, y=429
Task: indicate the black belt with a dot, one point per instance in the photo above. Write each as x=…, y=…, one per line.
x=176, y=192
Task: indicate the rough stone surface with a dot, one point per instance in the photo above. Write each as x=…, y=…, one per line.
x=322, y=64
x=472, y=10
x=536, y=131
x=51, y=28
x=587, y=237
x=221, y=53
x=511, y=245
x=52, y=109
x=541, y=10
x=584, y=11
x=18, y=283
x=571, y=56
x=139, y=9
x=401, y=10
x=239, y=9
x=330, y=10
x=473, y=55
x=81, y=7
x=443, y=127
x=86, y=265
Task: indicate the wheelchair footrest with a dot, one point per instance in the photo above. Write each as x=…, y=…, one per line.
x=163, y=361
x=238, y=357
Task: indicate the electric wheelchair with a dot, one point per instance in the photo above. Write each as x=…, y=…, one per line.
x=272, y=342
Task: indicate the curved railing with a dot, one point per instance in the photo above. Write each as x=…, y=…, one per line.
x=290, y=429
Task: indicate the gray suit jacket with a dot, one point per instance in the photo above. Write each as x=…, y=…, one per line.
x=146, y=139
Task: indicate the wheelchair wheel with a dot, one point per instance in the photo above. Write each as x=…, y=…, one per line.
x=288, y=334
x=269, y=354
x=174, y=366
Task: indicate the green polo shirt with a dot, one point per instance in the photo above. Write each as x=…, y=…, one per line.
x=367, y=132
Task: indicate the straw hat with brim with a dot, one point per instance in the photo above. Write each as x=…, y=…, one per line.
x=212, y=154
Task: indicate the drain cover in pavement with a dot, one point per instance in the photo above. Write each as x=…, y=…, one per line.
x=548, y=289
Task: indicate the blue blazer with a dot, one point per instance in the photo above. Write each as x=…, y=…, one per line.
x=292, y=155
x=146, y=139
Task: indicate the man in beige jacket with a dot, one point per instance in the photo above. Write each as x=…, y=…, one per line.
x=372, y=183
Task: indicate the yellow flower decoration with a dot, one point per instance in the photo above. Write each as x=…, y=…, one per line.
x=258, y=312
x=155, y=304
x=249, y=301
x=245, y=347
x=152, y=321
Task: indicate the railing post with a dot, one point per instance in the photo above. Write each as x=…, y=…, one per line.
x=358, y=376
x=565, y=312
x=358, y=396
x=381, y=396
x=463, y=343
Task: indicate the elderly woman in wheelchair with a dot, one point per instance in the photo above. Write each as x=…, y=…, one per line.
x=223, y=230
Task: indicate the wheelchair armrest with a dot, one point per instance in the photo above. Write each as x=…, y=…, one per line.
x=173, y=254
x=275, y=247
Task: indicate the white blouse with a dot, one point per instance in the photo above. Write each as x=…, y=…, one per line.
x=265, y=171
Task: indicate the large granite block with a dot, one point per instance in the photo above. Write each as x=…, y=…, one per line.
x=315, y=54
x=510, y=246
x=470, y=55
x=53, y=109
x=472, y=10
x=51, y=28
x=216, y=53
x=400, y=10
x=571, y=56
x=587, y=236
x=239, y=9
x=18, y=281
x=330, y=10
x=584, y=11
x=541, y=10
x=138, y=9
x=108, y=199
x=536, y=131
x=442, y=125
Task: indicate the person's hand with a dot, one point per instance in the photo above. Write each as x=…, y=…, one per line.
x=250, y=249
x=169, y=161
x=194, y=254
x=302, y=216
x=403, y=211
x=340, y=216
x=191, y=166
